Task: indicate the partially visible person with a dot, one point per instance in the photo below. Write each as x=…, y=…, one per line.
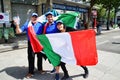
x=99, y=27
x=111, y=23
x=13, y=26
x=38, y=28
x=85, y=24
x=63, y=28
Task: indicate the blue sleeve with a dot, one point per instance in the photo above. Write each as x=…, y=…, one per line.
x=40, y=28
x=24, y=27
x=43, y=23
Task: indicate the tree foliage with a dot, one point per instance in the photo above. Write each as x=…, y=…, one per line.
x=110, y=5
x=101, y=12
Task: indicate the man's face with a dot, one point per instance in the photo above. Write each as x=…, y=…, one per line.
x=50, y=18
x=34, y=19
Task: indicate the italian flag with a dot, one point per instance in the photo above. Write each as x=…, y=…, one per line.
x=74, y=48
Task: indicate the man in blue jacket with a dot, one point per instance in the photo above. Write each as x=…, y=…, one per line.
x=49, y=28
x=38, y=28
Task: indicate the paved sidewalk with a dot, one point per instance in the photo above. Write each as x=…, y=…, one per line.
x=18, y=42
x=13, y=66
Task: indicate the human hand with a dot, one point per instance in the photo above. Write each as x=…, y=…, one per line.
x=16, y=20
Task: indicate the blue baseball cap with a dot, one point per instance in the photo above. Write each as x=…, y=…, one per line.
x=48, y=13
x=59, y=21
x=34, y=14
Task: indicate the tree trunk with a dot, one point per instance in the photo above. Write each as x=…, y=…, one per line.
x=108, y=19
x=89, y=18
x=48, y=5
x=92, y=2
x=115, y=15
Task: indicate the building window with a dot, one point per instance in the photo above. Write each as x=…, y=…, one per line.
x=33, y=2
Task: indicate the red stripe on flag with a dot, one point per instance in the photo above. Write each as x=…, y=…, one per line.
x=36, y=46
x=84, y=46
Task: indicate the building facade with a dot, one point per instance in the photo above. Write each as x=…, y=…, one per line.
x=24, y=8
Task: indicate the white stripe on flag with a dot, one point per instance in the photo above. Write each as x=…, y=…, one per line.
x=62, y=45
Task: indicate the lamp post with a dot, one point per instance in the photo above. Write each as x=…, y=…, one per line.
x=94, y=13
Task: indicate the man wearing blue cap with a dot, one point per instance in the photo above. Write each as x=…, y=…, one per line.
x=49, y=28
x=38, y=29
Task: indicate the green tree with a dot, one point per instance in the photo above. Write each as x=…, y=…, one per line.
x=92, y=3
x=101, y=12
x=110, y=5
x=116, y=6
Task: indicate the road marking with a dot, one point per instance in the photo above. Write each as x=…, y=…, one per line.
x=99, y=37
x=103, y=42
x=116, y=37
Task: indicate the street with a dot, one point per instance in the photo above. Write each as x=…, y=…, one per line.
x=13, y=64
x=109, y=42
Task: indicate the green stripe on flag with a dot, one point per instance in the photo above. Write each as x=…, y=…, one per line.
x=47, y=48
x=69, y=19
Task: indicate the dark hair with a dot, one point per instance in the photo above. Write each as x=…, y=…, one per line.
x=69, y=29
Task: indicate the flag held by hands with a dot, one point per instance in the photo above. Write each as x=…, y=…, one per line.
x=76, y=48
